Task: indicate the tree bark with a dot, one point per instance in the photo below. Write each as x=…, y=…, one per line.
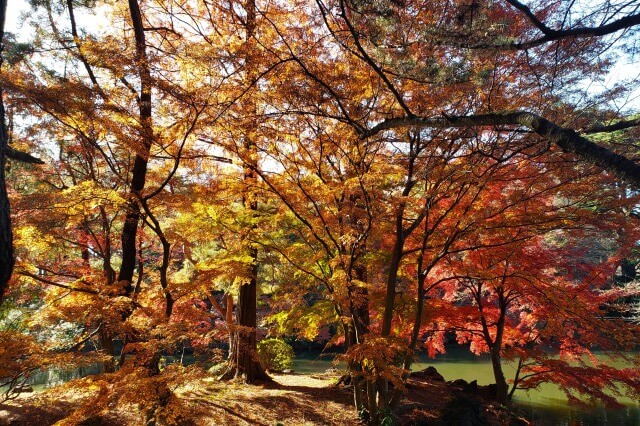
x=139, y=172
x=502, y=388
x=247, y=366
x=6, y=236
x=495, y=344
x=155, y=226
x=109, y=272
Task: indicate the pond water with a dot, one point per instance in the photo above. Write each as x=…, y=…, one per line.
x=58, y=376
x=546, y=406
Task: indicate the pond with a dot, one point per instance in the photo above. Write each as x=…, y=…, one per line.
x=546, y=406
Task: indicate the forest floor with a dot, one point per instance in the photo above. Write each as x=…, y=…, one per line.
x=291, y=399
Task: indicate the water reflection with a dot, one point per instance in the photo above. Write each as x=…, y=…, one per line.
x=57, y=376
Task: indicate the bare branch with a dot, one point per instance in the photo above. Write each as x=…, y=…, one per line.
x=619, y=125
x=531, y=16
x=55, y=284
x=23, y=157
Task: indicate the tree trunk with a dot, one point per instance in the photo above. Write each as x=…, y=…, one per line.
x=502, y=388
x=228, y=318
x=245, y=358
x=6, y=236
x=227, y=314
x=364, y=393
x=155, y=226
x=244, y=362
x=392, y=276
x=108, y=346
x=83, y=243
x=139, y=172
x=109, y=273
x=495, y=346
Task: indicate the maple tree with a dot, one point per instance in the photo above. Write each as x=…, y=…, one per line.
x=512, y=285
x=394, y=52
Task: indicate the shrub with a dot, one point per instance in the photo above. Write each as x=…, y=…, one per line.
x=275, y=354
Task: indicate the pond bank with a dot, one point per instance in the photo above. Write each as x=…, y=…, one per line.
x=544, y=407
x=193, y=398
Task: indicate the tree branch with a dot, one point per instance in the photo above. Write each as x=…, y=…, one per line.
x=567, y=139
x=23, y=157
x=531, y=16
x=77, y=345
x=619, y=125
x=55, y=284
x=550, y=35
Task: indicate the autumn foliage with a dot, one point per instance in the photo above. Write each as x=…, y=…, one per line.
x=390, y=178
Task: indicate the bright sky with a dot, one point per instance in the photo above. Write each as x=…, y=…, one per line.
x=14, y=9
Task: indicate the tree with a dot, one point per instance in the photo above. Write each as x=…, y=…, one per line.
x=6, y=236
x=96, y=157
x=421, y=82
x=139, y=171
x=243, y=361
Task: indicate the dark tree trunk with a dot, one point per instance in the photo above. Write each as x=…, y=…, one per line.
x=392, y=276
x=109, y=272
x=495, y=345
x=139, y=173
x=155, y=226
x=108, y=346
x=6, y=236
x=245, y=359
x=243, y=362
x=83, y=243
x=128, y=239
x=502, y=388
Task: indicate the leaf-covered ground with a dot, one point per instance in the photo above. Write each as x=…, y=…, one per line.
x=190, y=398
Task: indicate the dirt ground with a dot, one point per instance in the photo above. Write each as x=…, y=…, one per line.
x=289, y=400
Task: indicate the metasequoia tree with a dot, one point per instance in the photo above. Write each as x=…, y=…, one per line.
x=103, y=129
x=6, y=237
x=243, y=359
